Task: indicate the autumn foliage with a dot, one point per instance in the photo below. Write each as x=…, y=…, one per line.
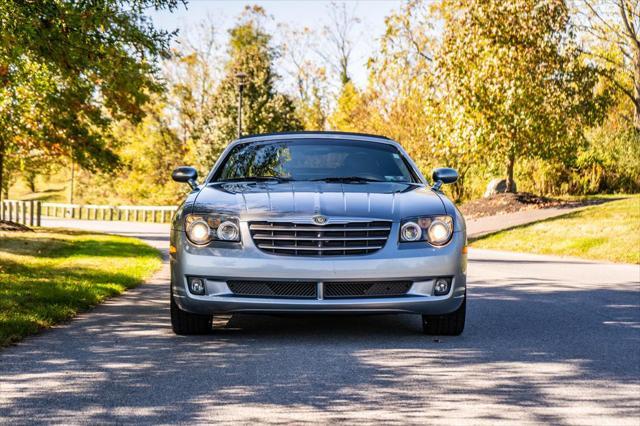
x=543, y=93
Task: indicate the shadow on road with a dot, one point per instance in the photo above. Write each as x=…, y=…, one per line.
x=534, y=350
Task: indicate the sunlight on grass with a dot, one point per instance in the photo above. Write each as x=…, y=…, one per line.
x=610, y=231
x=50, y=275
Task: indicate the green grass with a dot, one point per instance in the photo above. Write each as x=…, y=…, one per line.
x=610, y=231
x=50, y=189
x=49, y=276
x=51, y=195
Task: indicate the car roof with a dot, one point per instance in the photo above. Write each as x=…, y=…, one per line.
x=315, y=134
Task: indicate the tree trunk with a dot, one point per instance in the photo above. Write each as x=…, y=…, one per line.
x=510, y=166
x=628, y=16
x=457, y=189
x=30, y=177
x=636, y=90
x=2, y=182
x=344, y=71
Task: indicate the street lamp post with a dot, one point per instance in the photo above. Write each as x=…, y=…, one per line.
x=72, y=177
x=240, y=76
x=71, y=186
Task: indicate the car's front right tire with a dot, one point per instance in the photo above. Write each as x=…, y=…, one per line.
x=186, y=323
x=446, y=325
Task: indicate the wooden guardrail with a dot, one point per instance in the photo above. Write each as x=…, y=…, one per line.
x=157, y=214
x=24, y=212
x=31, y=212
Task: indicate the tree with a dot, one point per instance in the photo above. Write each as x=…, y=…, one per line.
x=516, y=74
x=311, y=88
x=406, y=97
x=20, y=103
x=612, y=28
x=401, y=93
x=148, y=149
x=339, y=31
x=265, y=109
x=193, y=74
x=350, y=112
x=68, y=68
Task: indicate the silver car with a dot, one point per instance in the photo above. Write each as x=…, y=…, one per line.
x=317, y=222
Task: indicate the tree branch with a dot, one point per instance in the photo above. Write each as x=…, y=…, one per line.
x=632, y=34
x=619, y=85
x=604, y=58
x=602, y=20
x=603, y=38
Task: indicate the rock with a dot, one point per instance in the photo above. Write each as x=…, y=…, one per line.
x=498, y=186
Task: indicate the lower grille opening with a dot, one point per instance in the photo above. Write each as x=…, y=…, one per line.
x=308, y=289
x=292, y=289
x=366, y=289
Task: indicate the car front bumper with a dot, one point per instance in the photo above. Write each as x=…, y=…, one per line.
x=418, y=262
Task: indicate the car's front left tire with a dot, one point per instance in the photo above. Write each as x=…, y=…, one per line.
x=446, y=325
x=186, y=323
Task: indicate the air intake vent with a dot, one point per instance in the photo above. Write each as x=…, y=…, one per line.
x=366, y=289
x=291, y=289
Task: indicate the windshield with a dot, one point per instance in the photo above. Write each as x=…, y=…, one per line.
x=315, y=159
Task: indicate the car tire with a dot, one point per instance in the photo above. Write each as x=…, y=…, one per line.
x=445, y=325
x=185, y=323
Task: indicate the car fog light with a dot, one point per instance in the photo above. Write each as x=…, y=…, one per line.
x=228, y=231
x=196, y=286
x=441, y=287
x=410, y=231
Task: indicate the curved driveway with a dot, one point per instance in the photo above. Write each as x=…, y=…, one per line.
x=548, y=340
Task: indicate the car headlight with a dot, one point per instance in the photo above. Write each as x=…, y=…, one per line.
x=228, y=231
x=199, y=232
x=437, y=230
x=203, y=228
x=410, y=231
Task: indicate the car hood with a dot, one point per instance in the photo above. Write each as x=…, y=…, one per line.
x=261, y=200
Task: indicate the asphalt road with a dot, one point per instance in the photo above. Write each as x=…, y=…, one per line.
x=548, y=340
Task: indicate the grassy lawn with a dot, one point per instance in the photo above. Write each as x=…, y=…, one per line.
x=49, y=275
x=610, y=231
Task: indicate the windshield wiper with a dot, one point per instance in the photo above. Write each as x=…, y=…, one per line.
x=258, y=179
x=347, y=179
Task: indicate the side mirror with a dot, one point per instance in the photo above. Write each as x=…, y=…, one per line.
x=186, y=174
x=443, y=175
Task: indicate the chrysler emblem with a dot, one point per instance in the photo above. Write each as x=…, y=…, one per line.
x=319, y=220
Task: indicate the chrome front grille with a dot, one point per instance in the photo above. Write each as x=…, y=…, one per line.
x=293, y=239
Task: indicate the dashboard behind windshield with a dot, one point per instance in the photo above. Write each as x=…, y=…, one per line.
x=315, y=159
